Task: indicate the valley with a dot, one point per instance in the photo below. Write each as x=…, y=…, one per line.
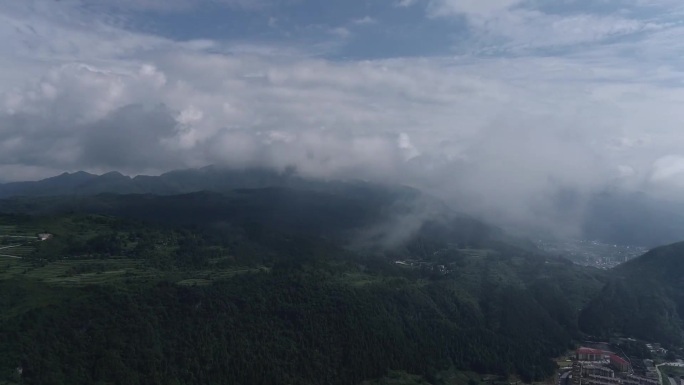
x=592, y=253
x=213, y=282
x=295, y=286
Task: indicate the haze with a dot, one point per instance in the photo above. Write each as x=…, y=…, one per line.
x=517, y=110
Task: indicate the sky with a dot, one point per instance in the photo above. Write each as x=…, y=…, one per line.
x=519, y=109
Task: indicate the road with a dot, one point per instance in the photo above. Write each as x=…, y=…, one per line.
x=564, y=378
x=660, y=375
x=671, y=381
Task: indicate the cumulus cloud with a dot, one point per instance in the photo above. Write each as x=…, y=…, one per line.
x=364, y=20
x=340, y=32
x=522, y=25
x=179, y=5
x=470, y=7
x=504, y=149
x=521, y=139
x=406, y=3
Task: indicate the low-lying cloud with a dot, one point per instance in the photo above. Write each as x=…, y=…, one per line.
x=520, y=139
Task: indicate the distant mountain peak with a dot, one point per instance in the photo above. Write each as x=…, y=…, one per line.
x=114, y=174
x=72, y=175
x=211, y=178
x=81, y=173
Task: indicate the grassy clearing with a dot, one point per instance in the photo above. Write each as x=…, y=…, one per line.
x=19, y=230
x=478, y=253
x=19, y=251
x=194, y=282
x=71, y=272
x=92, y=272
x=207, y=277
x=17, y=240
x=23, y=256
x=358, y=279
x=672, y=371
x=563, y=364
x=29, y=294
x=85, y=272
x=12, y=268
x=458, y=377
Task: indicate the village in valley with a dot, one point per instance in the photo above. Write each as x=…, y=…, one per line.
x=607, y=364
x=592, y=253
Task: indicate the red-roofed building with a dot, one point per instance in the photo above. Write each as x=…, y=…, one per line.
x=588, y=354
x=619, y=363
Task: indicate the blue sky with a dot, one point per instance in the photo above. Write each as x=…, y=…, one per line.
x=375, y=29
x=335, y=30
x=500, y=103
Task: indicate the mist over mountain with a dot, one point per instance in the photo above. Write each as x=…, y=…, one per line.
x=382, y=174
x=174, y=182
x=613, y=216
x=269, y=217
x=324, y=245
x=315, y=280
x=526, y=124
x=633, y=219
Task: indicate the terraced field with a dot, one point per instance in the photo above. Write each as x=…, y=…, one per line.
x=19, y=250
x=96, y=272
x=8, y=229
x=17, y=241
x=16, y=248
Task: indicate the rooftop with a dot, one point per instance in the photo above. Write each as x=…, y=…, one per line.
x=584, y=350
x=618, y=360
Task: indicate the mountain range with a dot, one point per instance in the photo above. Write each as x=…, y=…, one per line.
x=610, y=216
x=644, y=298
x=210, y=178
x=280, y=278
x=196, y=275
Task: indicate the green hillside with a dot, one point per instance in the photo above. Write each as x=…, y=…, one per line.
x=645, y=299
x=278, y=286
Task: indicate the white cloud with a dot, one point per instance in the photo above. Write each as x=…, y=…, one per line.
x=341, y=32
x=519, y=26
x=470, y=7
x=669, y=168
x=406, y=3
x=503, y=134
x=364, y=20
x=531, y=29
x=665, y=177
x=333, y=118
x=177, y=5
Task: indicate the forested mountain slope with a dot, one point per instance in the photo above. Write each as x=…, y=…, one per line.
x=210, y=178
x=644, y=298
x=278, y=285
